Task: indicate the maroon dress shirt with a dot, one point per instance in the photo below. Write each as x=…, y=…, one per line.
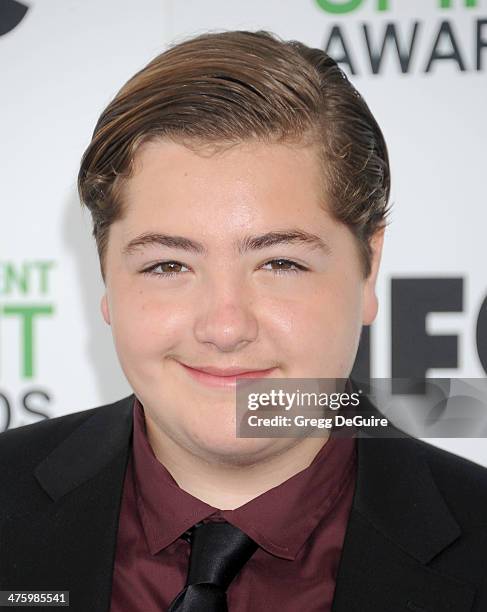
x=299, y=526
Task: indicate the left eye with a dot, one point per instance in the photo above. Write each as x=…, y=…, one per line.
x=285, y=266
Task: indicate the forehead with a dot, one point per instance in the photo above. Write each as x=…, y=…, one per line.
x=252, y=177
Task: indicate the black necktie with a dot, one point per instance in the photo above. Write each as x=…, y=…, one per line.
x=218, y=553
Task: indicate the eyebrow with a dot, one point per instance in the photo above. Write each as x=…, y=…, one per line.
x=243, y=245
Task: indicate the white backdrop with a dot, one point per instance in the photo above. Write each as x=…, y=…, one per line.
x=63, y=60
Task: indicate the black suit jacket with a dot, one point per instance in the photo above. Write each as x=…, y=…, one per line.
x=416, y=539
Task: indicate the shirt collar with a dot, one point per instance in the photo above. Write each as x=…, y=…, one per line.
x=279, y=520
x=166, y=511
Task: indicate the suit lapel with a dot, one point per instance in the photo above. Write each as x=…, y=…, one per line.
x=69, y=543
x=398, y=523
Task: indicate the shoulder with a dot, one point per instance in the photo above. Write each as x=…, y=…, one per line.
x=417, y=464
x=24, y=447
x=462, y=483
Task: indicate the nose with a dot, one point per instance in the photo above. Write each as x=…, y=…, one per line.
x=226, y=318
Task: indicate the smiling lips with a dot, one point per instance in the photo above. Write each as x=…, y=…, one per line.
x=223, y=377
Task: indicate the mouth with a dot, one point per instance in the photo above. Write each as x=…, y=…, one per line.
x=223, y=377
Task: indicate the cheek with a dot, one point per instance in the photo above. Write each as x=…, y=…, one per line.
x=313, y=312
x=144, y=324
x=328, y=323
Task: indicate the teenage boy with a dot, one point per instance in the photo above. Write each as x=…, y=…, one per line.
x=239, y=190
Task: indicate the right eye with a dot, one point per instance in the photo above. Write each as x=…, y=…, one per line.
x=169, y=268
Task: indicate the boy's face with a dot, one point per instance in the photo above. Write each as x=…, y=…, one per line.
x=226, y=307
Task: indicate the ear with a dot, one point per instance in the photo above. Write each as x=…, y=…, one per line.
x=370, y=301
x=104, y=308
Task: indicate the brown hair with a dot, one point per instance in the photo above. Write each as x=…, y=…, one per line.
x=219, y=89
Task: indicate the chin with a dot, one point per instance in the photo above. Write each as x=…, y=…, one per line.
x=232, y=450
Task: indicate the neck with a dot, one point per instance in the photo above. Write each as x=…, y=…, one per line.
x=224, y=484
